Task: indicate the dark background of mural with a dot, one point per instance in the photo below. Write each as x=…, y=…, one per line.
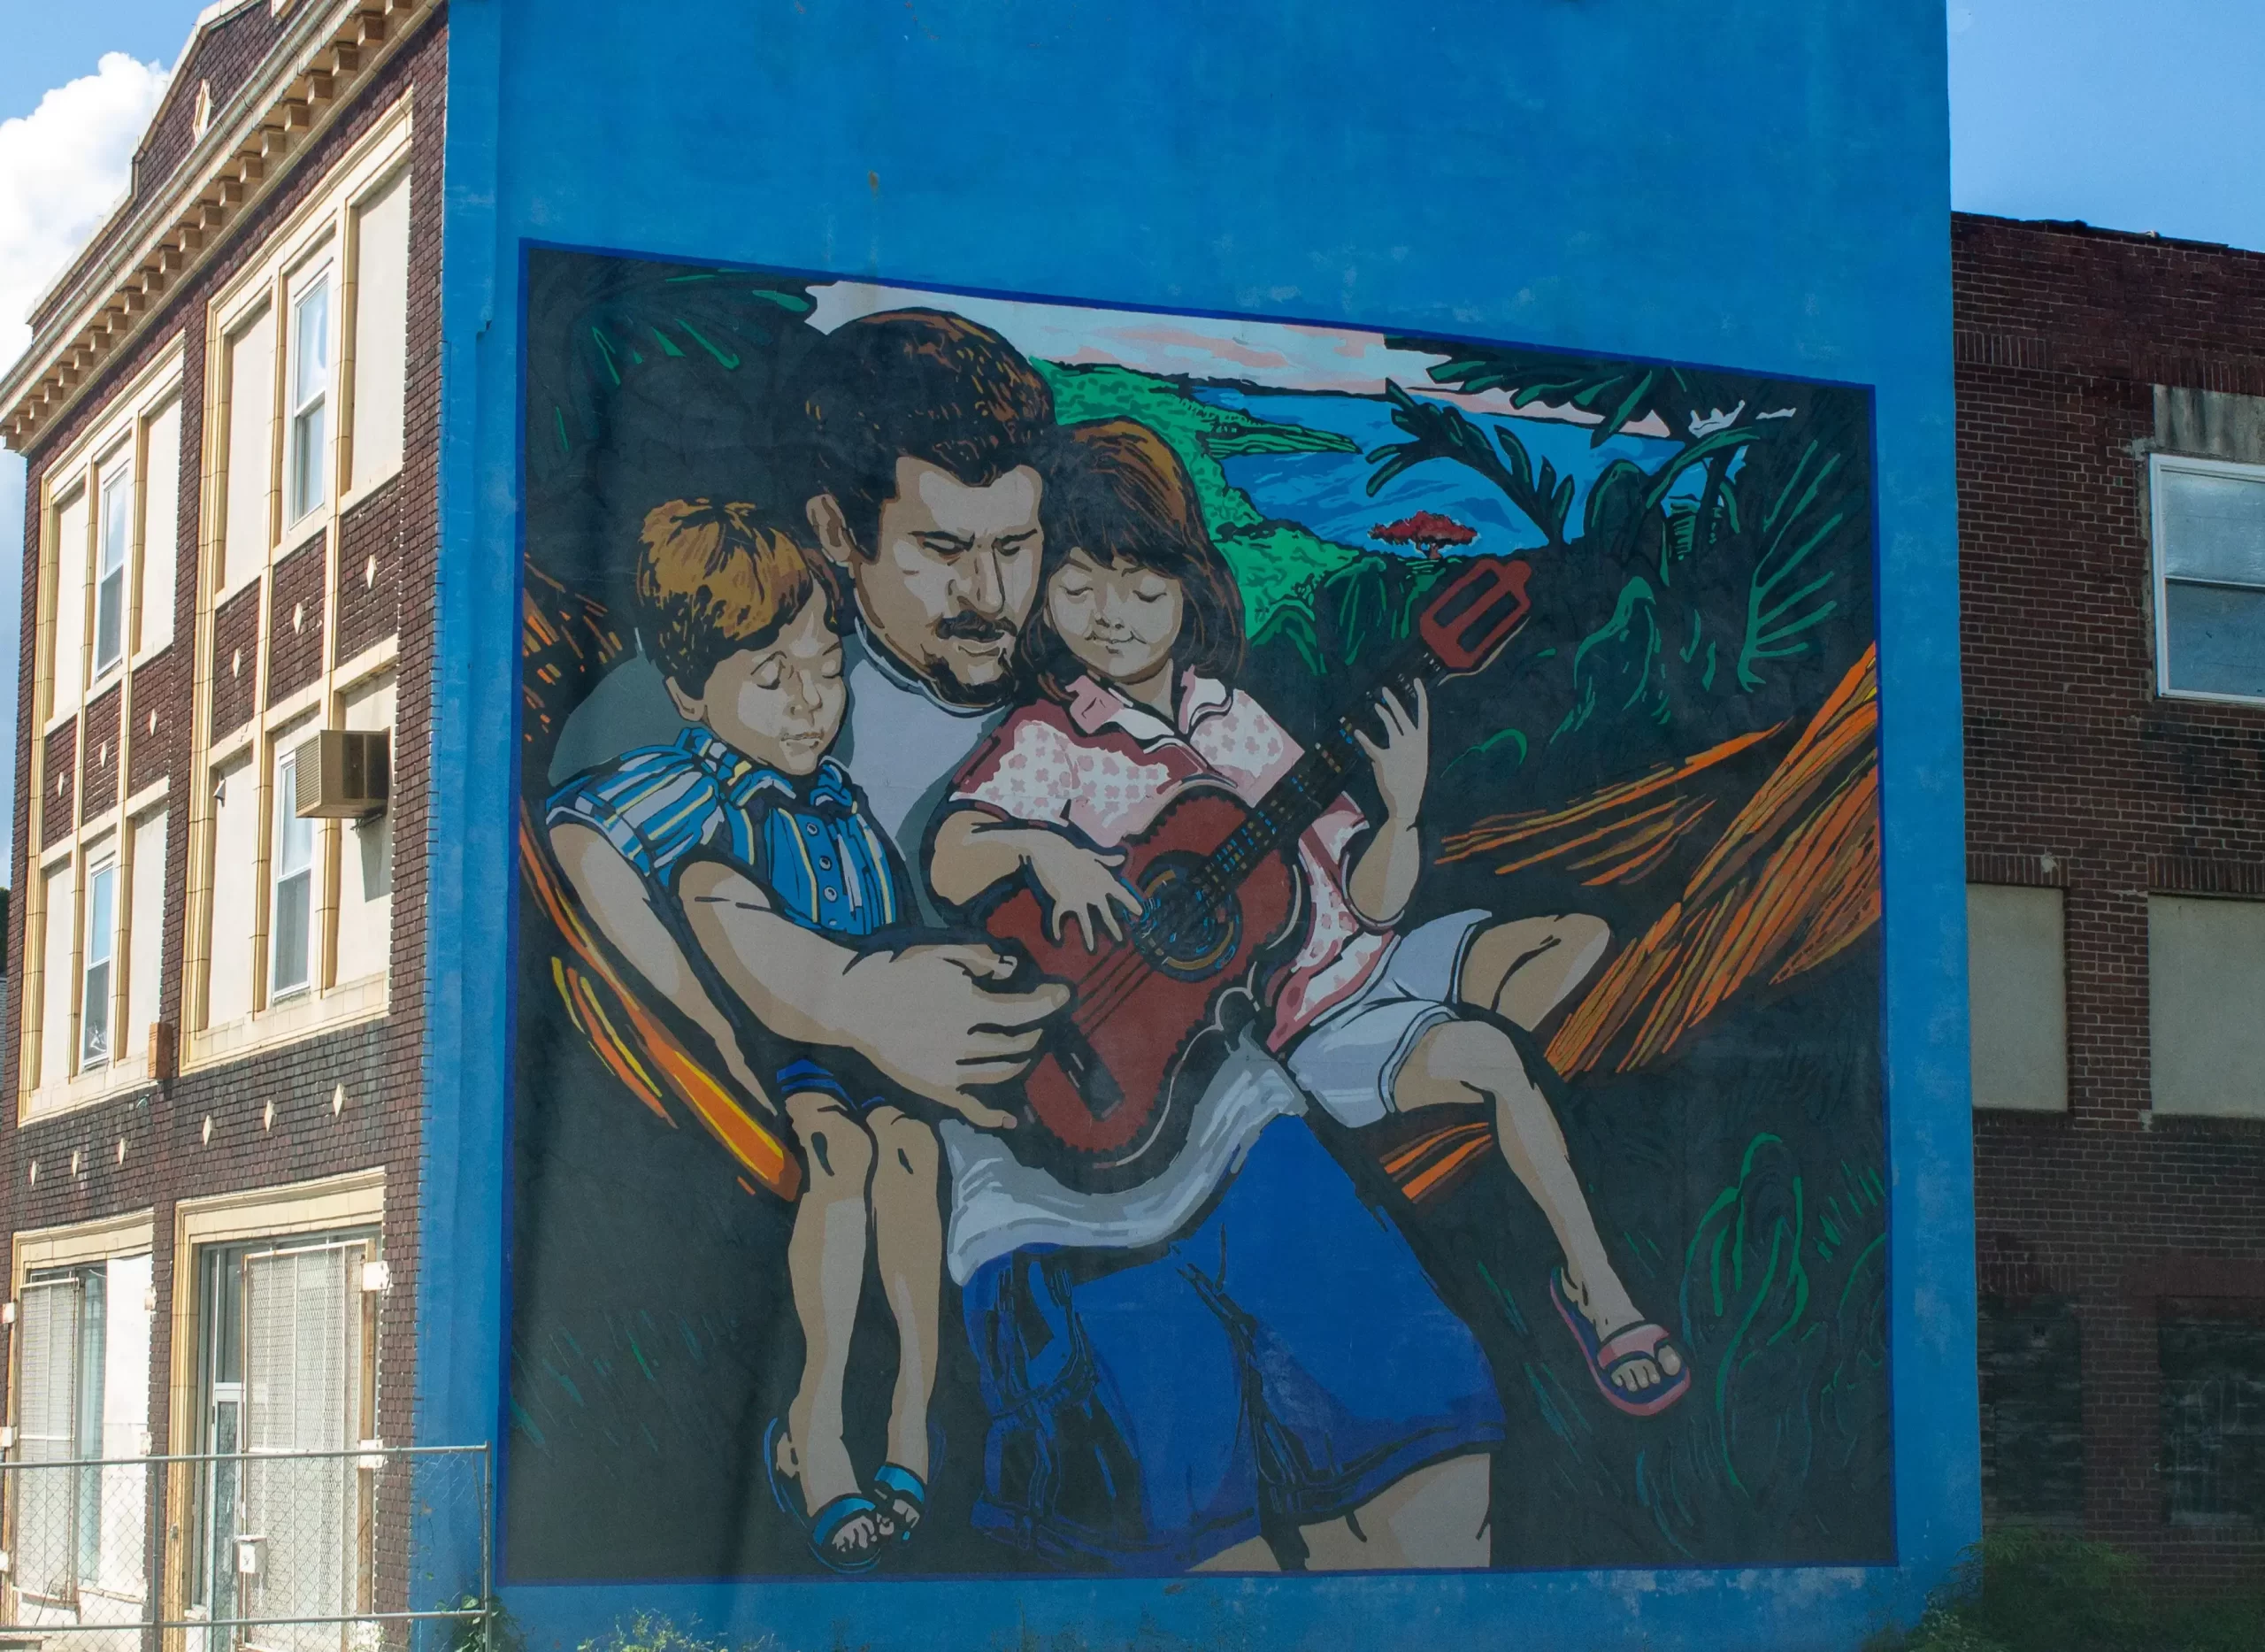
x=1718, y=586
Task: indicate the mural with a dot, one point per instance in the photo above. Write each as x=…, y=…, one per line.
x=1154, y=942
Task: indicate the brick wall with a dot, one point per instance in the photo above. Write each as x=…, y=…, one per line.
x=148, y=1148
x=2077, y=774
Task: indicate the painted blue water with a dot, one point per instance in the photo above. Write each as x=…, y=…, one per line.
x=1328, y=492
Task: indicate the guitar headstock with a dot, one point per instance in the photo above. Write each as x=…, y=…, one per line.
x=1482, y=608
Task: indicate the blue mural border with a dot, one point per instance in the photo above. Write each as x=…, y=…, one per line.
x=463, y=1300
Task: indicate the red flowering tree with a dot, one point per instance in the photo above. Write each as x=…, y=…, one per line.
x=1427, y=530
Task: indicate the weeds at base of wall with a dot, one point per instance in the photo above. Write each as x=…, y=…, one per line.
x=2024, y=1590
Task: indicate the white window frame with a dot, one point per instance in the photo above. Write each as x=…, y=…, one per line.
x=102, y=874
x=286, y=824
x=121, y=496
x=2157, y=463
x=309, y=482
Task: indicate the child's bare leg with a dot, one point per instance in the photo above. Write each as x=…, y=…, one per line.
x=1524, y=969
x=825, y=1259
x=909, y=1244
x=1473, y=1064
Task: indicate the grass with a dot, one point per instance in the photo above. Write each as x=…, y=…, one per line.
x=2025, y=1590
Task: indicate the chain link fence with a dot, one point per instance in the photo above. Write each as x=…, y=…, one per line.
x=296, y=1551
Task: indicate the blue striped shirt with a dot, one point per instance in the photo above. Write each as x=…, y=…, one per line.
x=810, y=843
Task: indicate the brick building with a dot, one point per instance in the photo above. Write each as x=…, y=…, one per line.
x=2111, y=453
x=228, y=414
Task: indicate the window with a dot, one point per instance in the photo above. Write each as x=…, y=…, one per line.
x=83, y=1391
x=2206, y=966
x=101, y=940
x=2017, y=997
x=2209, y=534
x=380, y=331
x=81, y=1396
x=291, y=909
x=59, y=1417
x=2032, y=1412
x=110, y=565
x=287, y=1342
x=2213, y=1367
x=310, y=448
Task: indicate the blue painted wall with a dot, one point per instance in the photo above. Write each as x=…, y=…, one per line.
x=1758, y=184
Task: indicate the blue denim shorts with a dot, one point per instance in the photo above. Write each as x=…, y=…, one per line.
x=1284, y=1362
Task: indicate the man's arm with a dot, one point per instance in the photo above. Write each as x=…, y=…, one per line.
x=924, y=1017
x=614, y=896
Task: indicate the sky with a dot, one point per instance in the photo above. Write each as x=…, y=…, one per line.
x=2133, y=114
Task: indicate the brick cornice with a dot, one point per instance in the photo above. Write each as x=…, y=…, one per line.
x=106, y=304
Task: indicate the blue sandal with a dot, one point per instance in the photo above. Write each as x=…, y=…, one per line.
x=820, y=1529
x=898, y=1485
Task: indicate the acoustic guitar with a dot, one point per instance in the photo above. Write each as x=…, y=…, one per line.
x=1108, y=1102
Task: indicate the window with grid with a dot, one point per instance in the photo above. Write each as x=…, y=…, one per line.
x=2209, y=534
x=2212, y=1365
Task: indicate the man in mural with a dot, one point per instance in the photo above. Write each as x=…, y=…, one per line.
x=926, y=439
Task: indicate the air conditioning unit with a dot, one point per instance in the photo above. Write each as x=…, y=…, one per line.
x=342, y=774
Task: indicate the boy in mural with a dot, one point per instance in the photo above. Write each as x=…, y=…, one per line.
x=747, y=807
x=1135, y=640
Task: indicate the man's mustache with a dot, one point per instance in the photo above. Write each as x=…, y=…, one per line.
x=975, y=627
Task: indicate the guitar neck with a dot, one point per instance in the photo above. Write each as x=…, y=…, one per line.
x=1318, y=779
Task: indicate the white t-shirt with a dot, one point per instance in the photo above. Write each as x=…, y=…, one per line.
x=903, y=746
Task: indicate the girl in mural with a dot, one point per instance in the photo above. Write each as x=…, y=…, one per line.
x=1135, y=639
x=746, y=810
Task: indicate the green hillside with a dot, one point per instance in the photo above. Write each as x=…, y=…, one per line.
x=1275, y=561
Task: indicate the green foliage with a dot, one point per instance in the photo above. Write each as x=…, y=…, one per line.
x=648, y=1632
x=1438, y=431
x=2022, y=1589
x=486, y=1626
x=1276, y=563
x=1618, y=392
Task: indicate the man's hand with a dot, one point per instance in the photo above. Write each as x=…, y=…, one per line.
x=934, y=1020
x=1402, y=760
x=1081, y=884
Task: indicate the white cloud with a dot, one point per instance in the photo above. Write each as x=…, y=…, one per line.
x=63, y=168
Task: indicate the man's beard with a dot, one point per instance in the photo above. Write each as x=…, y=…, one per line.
x=971, y=627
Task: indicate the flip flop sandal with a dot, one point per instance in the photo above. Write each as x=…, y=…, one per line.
x=1606, y=1359
x=896, y=1484
x=820, y=1529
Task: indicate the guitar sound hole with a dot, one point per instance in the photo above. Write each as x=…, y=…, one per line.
x=1184, y=933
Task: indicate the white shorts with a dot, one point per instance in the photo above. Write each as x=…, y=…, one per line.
x=1348, y=1061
